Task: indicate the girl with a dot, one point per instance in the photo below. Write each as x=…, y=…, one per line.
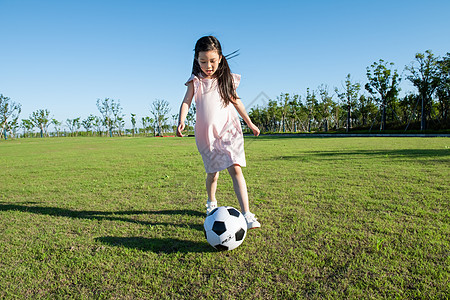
x=218, y=132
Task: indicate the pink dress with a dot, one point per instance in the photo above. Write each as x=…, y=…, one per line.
x=218, y=131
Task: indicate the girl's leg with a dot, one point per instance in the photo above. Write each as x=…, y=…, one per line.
x=211, y=186
x=240, y=187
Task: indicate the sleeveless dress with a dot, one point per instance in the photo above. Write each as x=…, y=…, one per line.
x=218, y=132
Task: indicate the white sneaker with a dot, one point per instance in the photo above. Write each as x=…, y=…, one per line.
x=210, y=206
x=251, y=221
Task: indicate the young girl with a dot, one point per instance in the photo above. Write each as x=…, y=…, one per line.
x=218, y=131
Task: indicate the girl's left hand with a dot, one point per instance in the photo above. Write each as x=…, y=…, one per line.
x=255, y=129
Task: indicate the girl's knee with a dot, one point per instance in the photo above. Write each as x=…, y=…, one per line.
x=212, y=176
x=235, y=170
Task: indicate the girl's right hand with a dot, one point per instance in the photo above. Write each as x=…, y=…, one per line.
x=180, y=128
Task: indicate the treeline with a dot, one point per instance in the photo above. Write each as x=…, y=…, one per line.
x=376, y=105
x=110, y=122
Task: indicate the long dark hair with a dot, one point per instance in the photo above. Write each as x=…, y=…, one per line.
x=224, y=78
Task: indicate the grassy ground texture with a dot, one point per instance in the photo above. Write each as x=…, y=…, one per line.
x=122, y=218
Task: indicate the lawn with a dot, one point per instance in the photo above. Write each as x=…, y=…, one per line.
x=122, y=218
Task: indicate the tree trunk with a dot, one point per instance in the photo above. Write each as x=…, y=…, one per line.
x=423, y=116
x=348, y=119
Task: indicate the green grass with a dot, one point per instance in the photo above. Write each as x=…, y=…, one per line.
x=122, y=219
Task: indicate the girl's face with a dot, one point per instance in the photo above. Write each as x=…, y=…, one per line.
x=209, y=62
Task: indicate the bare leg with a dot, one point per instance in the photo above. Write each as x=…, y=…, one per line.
x=211, y=185
x=240, y=187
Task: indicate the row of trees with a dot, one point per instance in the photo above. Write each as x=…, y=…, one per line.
x=321, y=109
x=110, y=122
x=380, y=106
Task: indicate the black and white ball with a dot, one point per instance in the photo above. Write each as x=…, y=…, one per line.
x=225, y=228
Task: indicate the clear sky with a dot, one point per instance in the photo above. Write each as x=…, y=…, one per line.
x=64, y=55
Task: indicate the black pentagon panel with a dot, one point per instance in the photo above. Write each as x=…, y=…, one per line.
x=213, y=211
x=240, y=234
x=233, y=212
x=219, y=227
x=221, y=247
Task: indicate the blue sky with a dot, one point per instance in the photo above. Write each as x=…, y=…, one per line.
x=64, y=55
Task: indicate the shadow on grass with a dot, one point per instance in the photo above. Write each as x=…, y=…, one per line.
x=157, y=245
x=104, y=215
x=147, y=244
x=440, y=155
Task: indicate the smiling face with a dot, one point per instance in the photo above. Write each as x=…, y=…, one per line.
x=209, y=62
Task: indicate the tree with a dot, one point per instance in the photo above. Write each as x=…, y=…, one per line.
x=384, y=82
x=144, y=125
x=147, y=124
x=286, y=111
x=111, y=112
x=27, y=126
x=97, y=124
x=9, y=114
x=273, y=115
x=256, y=114
x=190, y=117
x=120, y=124
x=160, y=110
x=13, y=126
x=443, y=90
x=88, y=123
x=349, y=97
x=283, y=102
x=133, y=122
x=325, y=106
x=424, y=75
x=74, y=125
x=366, y=109
x=175, y=119
x=41, y=120
x=57, y=125
x=293, y=112
x=311, y=105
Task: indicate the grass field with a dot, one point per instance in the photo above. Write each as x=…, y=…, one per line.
x=122, y=218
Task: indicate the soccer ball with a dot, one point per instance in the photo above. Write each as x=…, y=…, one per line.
x=225, y=228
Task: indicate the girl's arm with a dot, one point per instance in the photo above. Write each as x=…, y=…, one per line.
x=241, y=110
x=184, y=109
